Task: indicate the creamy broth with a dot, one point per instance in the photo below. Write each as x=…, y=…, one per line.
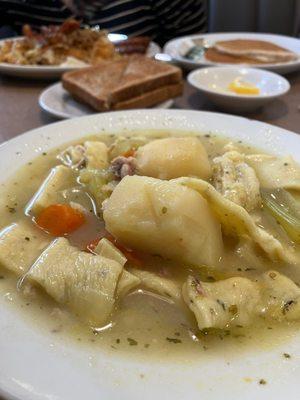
x=143, y=322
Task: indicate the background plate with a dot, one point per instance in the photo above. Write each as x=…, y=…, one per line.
x=50, y=72
x=288, y=42
x=58, y=102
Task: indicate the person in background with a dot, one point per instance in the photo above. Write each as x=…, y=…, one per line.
x=159, y=19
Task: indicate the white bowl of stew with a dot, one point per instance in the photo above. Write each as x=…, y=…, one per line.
x=151, y=338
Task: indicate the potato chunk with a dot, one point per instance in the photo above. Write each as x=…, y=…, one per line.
x=162, y=217
x=84, y=282
x=173, y=157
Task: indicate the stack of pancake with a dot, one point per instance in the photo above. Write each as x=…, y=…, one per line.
x=246, y=51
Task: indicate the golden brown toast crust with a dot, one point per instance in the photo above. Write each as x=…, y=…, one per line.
x=112, y=82
x=145, y=100
x=152, y=98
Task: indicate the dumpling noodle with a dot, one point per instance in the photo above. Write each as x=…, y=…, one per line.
x=165, y=218
x=239, y=300
x=84, y=282
x=273, y=172
x=218, y=304
x=173, y=157
x=159, y=284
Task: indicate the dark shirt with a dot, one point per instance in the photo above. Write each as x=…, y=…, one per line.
x=160, y=19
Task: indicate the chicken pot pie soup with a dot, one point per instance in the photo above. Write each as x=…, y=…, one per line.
x=155, y=240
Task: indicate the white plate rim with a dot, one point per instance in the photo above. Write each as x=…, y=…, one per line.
x=292, y=65
x=57, y=87
x=162, y=380
x=192, y=80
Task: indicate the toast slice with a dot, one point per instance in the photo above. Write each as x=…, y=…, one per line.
x=112, y=82
x=151, y=98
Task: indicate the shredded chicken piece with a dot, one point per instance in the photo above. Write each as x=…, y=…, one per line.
x=122, y=166
x=236, y=180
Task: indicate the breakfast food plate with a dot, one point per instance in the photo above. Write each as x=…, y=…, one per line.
x=41, y=358
x=51, y=72
x=177, y=49
x=55, y=71
x=56, y=101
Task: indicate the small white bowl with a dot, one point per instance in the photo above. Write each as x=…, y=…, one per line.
x=214, y=82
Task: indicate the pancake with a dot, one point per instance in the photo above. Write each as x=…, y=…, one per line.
x=248, y=51
x=215, y=56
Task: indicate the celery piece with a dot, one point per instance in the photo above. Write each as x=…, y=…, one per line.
x=285, y=209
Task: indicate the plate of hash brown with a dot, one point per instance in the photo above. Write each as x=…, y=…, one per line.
x=56, y=49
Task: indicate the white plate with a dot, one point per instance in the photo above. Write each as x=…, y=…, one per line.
x=290, y=43
x=50, y=72
x=56, y=101
x=36, y=365
x=214, y=82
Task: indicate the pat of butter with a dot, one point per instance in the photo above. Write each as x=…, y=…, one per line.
x=241, y=87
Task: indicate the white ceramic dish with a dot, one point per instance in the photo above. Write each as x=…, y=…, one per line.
x=214, y=82
x=54, y=72
x=172, y=48
x=38, y=366
x=56, y=101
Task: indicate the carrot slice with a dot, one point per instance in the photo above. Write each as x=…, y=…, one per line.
x=60, y=219
x=132, y=256
x=129, y=153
